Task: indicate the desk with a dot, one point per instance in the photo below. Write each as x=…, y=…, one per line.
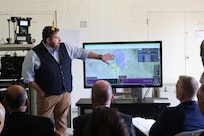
x=146, y=108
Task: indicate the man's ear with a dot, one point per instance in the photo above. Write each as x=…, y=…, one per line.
x=181, y=95
x=26, y=102
x=48, y=40
x=112, y=97
x=92, y=101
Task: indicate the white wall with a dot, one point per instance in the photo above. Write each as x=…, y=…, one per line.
x=107, y=20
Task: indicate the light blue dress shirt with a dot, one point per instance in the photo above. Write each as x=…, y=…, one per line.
x=32, y=61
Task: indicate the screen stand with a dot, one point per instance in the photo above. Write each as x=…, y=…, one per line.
x=137, y=93
x=114, y=91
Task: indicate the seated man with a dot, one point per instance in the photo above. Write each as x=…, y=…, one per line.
x=184, y=117
x=101, y=97
x=200, y=96
x=18, y=122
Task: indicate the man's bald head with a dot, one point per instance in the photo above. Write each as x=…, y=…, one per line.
x=16, y=97
x=101, y=93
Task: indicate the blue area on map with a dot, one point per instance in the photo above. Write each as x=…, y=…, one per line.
x=119, y=58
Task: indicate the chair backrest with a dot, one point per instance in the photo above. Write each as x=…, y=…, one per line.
x=190, y=133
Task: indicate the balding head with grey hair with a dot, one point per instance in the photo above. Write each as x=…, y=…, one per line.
x=186, y=88
x=102, y=93
x=16, y=98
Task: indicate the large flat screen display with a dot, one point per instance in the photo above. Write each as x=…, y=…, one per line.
x=137, y=64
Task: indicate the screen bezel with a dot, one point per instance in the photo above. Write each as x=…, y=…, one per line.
x=127, y=42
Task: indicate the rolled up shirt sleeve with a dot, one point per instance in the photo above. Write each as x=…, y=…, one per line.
x=30, y=63
x=76, y=53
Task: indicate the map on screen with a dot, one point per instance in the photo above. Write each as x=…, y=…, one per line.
x=133, y=65
x=126, y=63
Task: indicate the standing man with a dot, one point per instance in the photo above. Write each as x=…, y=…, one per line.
x=47, y=69
x=202, y=59
x=202, y=52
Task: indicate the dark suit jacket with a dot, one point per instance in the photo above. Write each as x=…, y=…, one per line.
x=80, y=122
x=23, y=124
x=184, y=117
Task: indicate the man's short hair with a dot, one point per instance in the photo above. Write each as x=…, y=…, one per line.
x=102, y=92
x=189, y=85
x=48, y=32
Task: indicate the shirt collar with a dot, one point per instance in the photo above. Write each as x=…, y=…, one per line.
x=101, y=106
